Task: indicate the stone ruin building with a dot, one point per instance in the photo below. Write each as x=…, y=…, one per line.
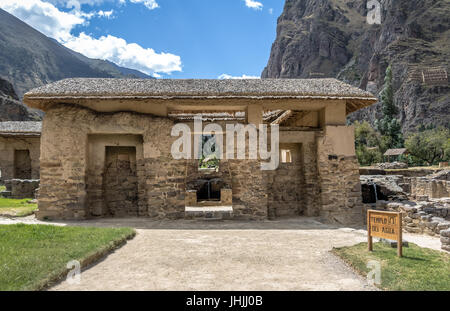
x=106, y=149
x=19, y=157
x=421, y=195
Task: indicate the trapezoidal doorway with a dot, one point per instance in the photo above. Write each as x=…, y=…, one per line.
x=120, y=184
x=22, y=164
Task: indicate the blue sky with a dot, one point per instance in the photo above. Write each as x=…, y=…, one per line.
x=164, y=38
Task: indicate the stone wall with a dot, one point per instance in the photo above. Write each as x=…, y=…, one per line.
x=341, y=198
x=322, y=180
x=423, y=217
x=21, y=188
x=445, y=239
x=432, y=186
x=286, y=185
x=101, y=197
x=120, y=181
x=302, y=197
x=426, y=217
x=67, y=179
x=8, y=145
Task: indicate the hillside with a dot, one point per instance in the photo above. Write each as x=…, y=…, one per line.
x=29, y=59
x=11, y=109
x=331, y=38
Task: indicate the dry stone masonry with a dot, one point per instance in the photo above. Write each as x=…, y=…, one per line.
x=19, y=150
x=423, y=201
x=106, y=149
x=20, y=188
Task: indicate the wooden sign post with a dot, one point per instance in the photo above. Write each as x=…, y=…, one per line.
x=387, y=225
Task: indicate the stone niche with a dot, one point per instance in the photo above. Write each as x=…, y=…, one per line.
x=286, y=185
x=112, y=177
x=208, y=187
x=22, y=164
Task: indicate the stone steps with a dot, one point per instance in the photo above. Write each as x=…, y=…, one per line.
x=209, y=213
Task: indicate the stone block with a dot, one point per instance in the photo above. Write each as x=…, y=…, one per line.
x=191, y=198
x=445, y=233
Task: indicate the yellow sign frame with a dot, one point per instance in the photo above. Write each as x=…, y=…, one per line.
x=387, y=225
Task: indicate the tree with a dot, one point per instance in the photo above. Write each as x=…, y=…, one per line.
x=389, y=126
x=429, y=146
x=368, y=144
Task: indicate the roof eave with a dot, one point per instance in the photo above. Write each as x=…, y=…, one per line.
x=40, y=102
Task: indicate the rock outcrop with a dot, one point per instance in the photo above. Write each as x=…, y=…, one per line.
x=331, y=38
x=11, y=109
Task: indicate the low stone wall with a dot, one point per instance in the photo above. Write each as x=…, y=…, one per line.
x=423, y=188
x=22, y=188
x=445, y=239
x=431, y=218
x=403, y=172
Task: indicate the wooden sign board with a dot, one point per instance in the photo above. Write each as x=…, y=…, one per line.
x=387, y=225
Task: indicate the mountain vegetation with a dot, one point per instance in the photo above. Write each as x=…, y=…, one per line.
x=332, y=38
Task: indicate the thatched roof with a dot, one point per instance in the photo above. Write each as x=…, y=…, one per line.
x=167, y=89
x=20, y=128
x=395, y=152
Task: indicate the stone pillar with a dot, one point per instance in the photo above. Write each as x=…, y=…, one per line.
x=338, y=168
x=191, y=198
x=226, y=197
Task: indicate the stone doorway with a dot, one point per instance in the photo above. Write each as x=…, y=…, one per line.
x=286, y=184
x=120, y=183
x=22, y=164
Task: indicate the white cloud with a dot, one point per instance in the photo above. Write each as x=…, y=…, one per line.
x=44, y=17
x=227, y=77
x=150, y=4
x=57, y=24
x=270, y=11
x=107, y=14
x=125, y=54
x=76, y=4
x=254, y=4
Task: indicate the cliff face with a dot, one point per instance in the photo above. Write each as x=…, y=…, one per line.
x=331, y=38
x=11, y=109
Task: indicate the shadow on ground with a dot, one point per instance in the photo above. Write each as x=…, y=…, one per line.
x=296, y=223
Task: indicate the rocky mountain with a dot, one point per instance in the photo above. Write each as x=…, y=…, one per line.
x=332, y=38
x=11, y=109
x=29, y=59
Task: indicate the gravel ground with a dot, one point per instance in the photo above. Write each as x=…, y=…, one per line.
x=287, y=254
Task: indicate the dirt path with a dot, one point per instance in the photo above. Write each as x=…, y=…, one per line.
x=287, y=254
x=282, y=255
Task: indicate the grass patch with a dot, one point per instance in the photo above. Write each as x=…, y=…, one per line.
x=2, y=188
x=420, y=269
x=16, y=207
x=33, y=257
